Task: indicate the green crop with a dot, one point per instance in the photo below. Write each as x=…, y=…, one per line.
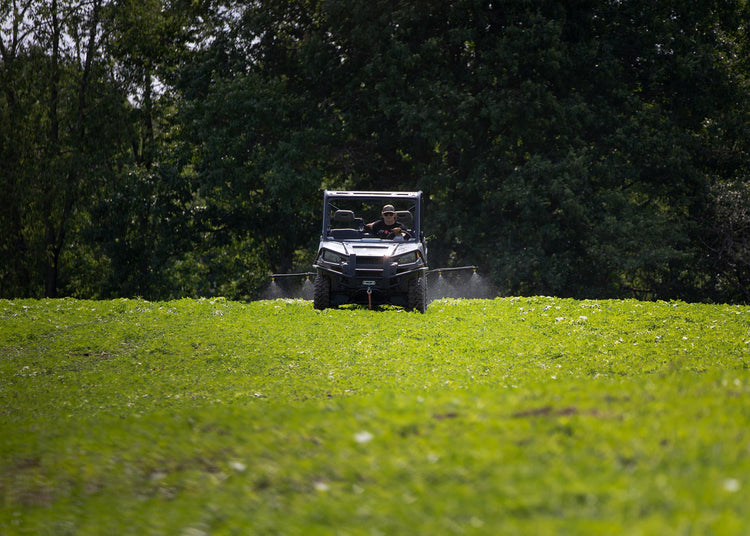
x=508, y=416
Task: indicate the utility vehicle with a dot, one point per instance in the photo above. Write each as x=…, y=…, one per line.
x=354, y=265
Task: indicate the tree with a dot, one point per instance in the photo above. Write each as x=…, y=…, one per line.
x=65, y=116
x=16, y=147
x=143, y=217
x=82, y=118
x=258, y=139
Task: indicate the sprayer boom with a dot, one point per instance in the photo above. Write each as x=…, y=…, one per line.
x=300, y=274
x=455, y=269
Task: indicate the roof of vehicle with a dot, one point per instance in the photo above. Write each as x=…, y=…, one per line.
x=363, y=194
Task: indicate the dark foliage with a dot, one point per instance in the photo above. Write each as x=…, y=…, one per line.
x=586, y=149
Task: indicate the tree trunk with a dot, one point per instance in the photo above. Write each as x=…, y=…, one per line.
x=51, y=257
x=50, y=251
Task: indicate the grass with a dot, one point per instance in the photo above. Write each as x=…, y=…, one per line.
x=506, y=416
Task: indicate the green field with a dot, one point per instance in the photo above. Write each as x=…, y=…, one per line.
x=507, y=416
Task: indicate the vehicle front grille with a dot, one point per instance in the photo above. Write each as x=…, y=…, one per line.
x=369, y=261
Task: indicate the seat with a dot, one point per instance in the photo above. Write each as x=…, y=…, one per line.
x=345, y=234
x=347, y=216
x=405, y=217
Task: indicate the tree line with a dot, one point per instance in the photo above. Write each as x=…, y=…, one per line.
x=170, y=148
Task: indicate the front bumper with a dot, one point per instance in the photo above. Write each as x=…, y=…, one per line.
x=361, y=282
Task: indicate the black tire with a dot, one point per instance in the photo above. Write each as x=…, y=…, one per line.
x=417, y=300
x=322, y=292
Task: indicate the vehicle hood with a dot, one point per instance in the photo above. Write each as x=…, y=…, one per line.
x=370, y=249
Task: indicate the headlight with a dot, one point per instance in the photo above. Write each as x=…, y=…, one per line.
x=330, y=256
x=407, y=258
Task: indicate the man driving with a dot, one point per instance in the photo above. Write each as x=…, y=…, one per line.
x=387, y=227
